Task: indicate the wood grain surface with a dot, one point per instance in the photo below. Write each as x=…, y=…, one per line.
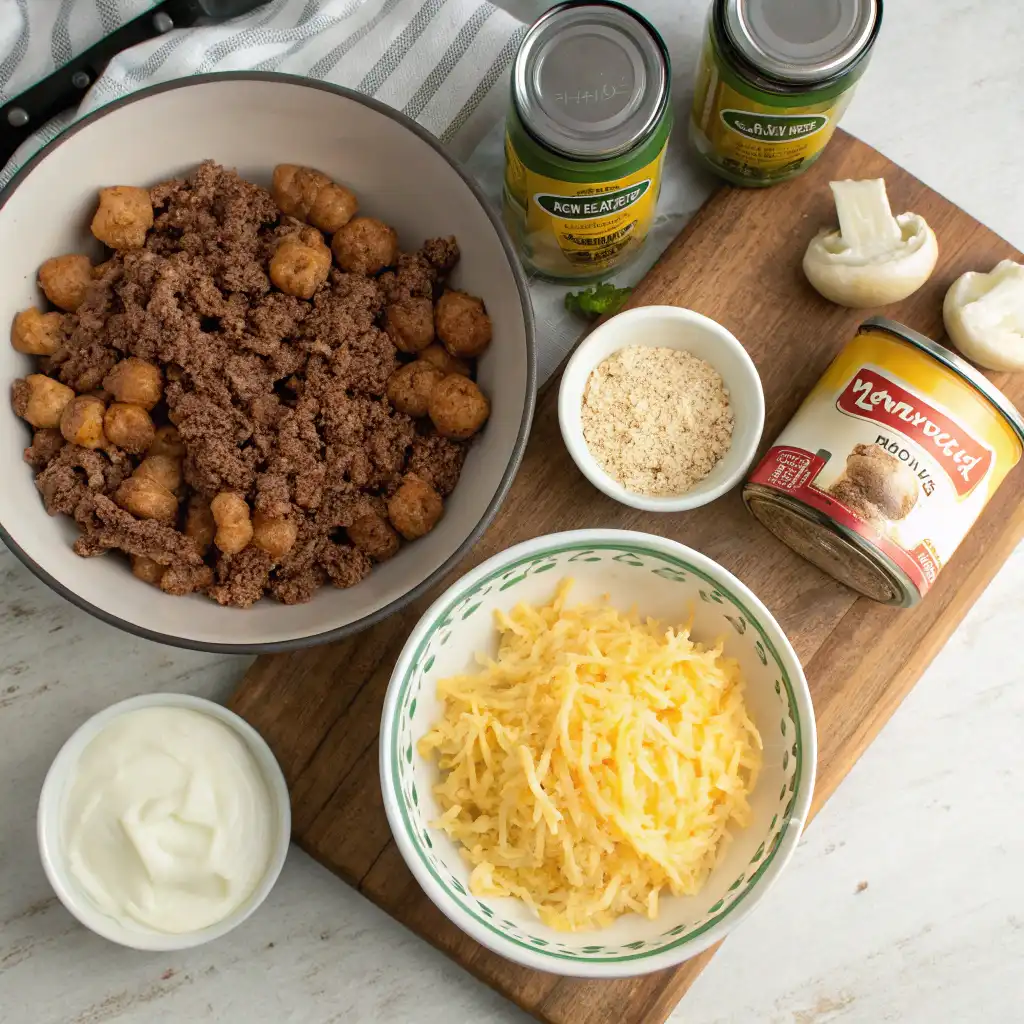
x=738, y=261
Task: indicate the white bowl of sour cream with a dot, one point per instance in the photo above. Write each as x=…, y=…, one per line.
x=163, y=822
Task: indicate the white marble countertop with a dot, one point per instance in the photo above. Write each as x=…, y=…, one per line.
x=929, y=818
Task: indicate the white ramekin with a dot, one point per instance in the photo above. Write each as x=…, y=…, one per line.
x=50, y=814
x=667, y=327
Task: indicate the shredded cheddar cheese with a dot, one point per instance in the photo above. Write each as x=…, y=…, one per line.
x=597, y=762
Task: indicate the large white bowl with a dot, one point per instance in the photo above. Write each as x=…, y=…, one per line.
x=251, y=122
x=676, y=328
x=662, y=579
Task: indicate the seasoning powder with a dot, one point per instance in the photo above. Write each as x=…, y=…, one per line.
x=657, y=420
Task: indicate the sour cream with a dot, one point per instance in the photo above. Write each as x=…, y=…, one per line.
x=168, y=825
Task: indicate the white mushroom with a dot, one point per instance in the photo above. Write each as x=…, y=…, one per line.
x=984, y=316
x=874, y=258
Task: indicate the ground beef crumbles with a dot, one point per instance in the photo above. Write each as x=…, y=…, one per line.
x=246, y=381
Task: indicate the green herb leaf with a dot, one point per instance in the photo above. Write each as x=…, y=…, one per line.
x=597, y=301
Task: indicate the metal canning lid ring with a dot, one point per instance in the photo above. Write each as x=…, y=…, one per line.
x=591, y=80
x=800, y=41
x=957, y=364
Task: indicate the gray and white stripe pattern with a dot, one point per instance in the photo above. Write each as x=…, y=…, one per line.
x=442, y=62
x=39, y=36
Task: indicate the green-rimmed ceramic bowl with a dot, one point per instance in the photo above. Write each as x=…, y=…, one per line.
x=662, y=579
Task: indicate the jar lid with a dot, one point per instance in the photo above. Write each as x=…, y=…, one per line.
x=591, y=80
x=801, y=41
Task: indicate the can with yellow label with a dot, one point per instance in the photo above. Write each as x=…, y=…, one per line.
x=585, y=139
x=888, y=463
x=774, y=78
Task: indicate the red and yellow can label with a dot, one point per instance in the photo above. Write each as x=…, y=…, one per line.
x=896, y=447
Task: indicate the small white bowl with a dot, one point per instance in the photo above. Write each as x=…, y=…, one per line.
x=667, y=327
x=663, y=580
x=49, y=825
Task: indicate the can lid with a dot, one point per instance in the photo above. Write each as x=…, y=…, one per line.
x=800, y=40
x=842, y=553
x=591, y=80
x=957, y=364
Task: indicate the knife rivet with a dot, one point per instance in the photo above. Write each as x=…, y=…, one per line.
x=17, y=118
x=80, y=80
x=162, y=22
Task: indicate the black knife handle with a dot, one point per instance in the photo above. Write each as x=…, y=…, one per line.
x=31, y=109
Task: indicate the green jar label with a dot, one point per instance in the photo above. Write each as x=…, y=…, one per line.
x=582, y=221
x=773, y=128
x=581, y=207
x=752, y=134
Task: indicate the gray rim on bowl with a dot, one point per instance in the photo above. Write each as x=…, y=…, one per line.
x=531, y=371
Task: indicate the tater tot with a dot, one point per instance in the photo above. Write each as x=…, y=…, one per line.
x=457, y=407
x=410, y=386
x=124, y=215
x=310, y=195
x=167, y=441
x=410, y=323
x=374, y=535
x=147, y=570
x=81, y=422
x=129, y=427
x=40, y=400
x=164, y=470
x=66, y=279
x=365, y=246
x=439, y=356
x=135, y=382
x=234, y=525
x=334, y=207
x=37, y=334
x=462, y=324
x=146, y=499
x=199, y=524
x=275, y=535
x=415, y=508
x=301, y=263
x=295, y=188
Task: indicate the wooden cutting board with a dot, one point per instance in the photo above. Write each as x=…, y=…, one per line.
x=738, y=261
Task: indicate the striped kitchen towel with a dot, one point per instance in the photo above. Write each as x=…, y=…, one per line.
x=442, y=62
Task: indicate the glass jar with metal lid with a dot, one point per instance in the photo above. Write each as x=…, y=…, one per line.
x=585, y=139
x=774, y=78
